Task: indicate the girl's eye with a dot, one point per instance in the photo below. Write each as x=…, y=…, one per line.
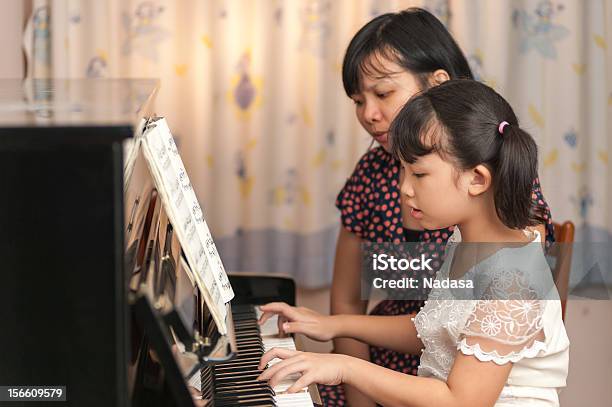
x=382, y=95
x=418, y=175
x=357, y=102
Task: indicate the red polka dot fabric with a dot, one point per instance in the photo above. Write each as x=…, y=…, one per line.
x=369, y=205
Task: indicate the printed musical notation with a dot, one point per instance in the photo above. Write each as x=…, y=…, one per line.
x=186, y=215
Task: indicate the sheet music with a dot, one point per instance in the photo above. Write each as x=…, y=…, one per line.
x=215, y=305
x=201, y=227
x=187, y=217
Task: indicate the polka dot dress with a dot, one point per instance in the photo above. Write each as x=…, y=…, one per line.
x=370, y=208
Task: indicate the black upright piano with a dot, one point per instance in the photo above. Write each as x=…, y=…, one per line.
x=94, y=295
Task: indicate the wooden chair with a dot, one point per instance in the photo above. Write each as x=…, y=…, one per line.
x=562, y=252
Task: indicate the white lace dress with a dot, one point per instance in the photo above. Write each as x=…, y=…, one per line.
x=513, y=317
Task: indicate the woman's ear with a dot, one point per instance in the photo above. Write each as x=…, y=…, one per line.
x=438, y=77
x=480, y=180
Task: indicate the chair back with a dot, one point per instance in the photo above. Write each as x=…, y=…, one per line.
x=562, y=252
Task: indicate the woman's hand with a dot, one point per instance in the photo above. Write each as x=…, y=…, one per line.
x=315, y=368
x=300, y=320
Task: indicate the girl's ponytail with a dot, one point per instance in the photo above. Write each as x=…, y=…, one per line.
x=516, y=170
x=474, y=125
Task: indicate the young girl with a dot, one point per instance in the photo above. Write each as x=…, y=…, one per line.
x=390, y=59
x=467, y=163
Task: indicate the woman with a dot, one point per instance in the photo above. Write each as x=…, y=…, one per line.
x=390, y=59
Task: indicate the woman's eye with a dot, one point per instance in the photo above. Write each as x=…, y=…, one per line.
x=357, y=102
x=418, y=174
x=382, y=95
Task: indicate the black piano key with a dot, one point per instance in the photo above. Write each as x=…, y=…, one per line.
x=247, y=334
x=245, y=390
x=238, y=379
x=252, y=347
x=245, y=398
x=238, y=369
x=233, y=367
x=229, y=387
x=242, y=363
x=245, y=359
x=248, y=354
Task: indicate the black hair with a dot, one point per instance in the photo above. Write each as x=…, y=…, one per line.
x=460, y=120
x=414, y=39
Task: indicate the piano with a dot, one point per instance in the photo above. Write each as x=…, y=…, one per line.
x=97, y=295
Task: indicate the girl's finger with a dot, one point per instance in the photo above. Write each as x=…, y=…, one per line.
x=271, y=371
x=287, y=370
x=275, y=308
x=304, y=381
x=281, y=323
x=276, y=353
x=264, y=317
x=297, y=328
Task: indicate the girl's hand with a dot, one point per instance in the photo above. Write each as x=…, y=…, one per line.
x=299, y=320
x=315, y=368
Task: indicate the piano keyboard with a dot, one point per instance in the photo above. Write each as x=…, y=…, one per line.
x=235, y=381
x=269, y=334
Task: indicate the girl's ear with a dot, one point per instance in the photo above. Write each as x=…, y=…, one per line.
x=480, y=180
x=438, y=77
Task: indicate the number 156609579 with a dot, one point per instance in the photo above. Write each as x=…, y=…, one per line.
x=32, y=393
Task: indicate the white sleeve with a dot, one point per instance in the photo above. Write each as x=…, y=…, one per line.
x=506, y=325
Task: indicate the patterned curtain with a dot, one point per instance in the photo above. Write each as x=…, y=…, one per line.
x=253, y=93
x=551, y=60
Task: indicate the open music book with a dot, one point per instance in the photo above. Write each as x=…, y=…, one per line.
x=186, y=215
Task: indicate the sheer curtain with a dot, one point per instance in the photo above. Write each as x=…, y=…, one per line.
x=552, y=60
x=253, y=93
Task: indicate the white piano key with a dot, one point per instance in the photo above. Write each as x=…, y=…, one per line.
x=294, y=400
x=285, y=343
x=284, y=385
x=270, y=327
x=196, y=381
